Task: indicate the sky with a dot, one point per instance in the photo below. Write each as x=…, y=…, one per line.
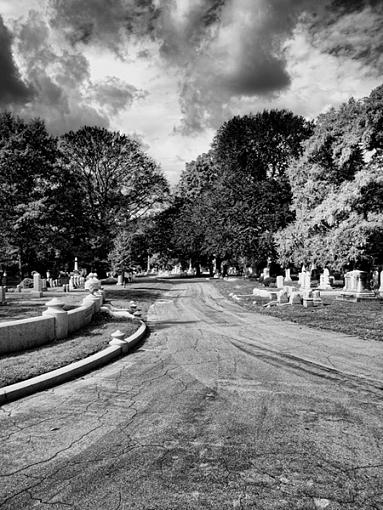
x=170, y=72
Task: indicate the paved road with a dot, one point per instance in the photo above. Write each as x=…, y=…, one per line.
x=218, y=409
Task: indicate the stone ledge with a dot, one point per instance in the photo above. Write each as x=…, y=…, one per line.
x=64, y=374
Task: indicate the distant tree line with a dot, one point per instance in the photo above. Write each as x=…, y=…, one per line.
x=275, y=185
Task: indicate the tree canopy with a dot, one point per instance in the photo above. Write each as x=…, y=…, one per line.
x=337, y=187
x=118, y=182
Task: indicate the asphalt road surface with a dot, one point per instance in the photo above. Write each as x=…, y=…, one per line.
x=218, y=408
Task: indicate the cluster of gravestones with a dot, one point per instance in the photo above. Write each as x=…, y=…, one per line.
x=356, y=288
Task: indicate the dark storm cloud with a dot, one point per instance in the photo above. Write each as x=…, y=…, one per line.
x=352, y=29
x=12, y=88
x=104, y=22
x=221, y=50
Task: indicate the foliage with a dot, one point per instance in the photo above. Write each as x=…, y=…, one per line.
x=237, y=195
x=337, y=191
x=28, y=187
x=118, y=182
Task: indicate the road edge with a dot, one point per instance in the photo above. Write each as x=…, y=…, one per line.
x=71, y=371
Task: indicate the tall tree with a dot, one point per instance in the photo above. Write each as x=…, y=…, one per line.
x=118, y=181
x=29, y=181
x=337, y=190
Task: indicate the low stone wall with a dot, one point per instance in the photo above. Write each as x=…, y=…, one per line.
x=26, y=333
x=19, y=335
x=80, y=317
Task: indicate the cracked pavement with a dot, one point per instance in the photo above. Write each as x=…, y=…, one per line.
x=219, y=408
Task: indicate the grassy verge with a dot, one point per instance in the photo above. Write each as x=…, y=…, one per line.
x=89, y=340
x=364, y=319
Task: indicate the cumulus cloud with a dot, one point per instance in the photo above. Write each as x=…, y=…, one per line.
x=12, y=88
x=106, y=24
x=59, y=75
x=223, y=53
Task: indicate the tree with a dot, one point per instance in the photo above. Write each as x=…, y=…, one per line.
x=29, y=181
x=118, y=182
x=337, y=190
x=253, y=197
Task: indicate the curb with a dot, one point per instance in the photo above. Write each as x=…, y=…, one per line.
x=64, y=374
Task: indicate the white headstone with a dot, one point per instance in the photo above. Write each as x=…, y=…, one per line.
x=381, y=283
x=37, y=285
x=288, y=276
x=280, y=282
x=324, y=280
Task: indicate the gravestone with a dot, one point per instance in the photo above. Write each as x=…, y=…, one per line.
x=381, y=284
x=37, y=285
x=355, y=287
x=282, y=297
x=288, y=276
x=305, y=280
x=324, y=280
x=43, y=284
x=280, y=282
x=295, y=298
x=266, y=273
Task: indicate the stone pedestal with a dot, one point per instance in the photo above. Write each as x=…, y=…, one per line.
x=117, y=338
x=356, y=285
x=55, y=309
x=37, y=285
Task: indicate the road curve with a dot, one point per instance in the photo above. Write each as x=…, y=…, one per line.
x=218, y=408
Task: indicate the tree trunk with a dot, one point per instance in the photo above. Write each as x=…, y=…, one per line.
x=20, y=264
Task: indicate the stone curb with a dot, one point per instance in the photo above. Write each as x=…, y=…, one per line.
x=64, y=374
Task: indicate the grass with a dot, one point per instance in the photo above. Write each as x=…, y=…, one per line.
x=23, y=305
x=89, y=340
x=363, y=319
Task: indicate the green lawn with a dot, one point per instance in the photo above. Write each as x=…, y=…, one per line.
x=364, y=319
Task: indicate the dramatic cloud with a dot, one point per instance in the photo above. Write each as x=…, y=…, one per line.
x=356, y=33
x=106, y=24
x=115, y=94
x=64, y=95
x=12, y=88
x=174, y=70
